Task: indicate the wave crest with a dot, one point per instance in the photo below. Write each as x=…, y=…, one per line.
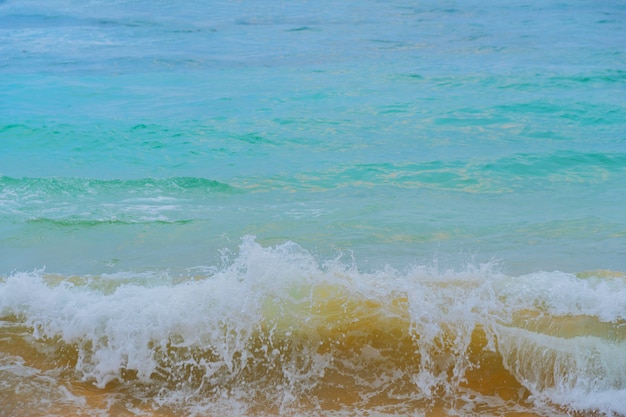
x=276, y=329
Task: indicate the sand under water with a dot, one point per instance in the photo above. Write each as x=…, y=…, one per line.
x=276, y=333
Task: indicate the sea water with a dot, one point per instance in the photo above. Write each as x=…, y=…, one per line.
x=312, y=208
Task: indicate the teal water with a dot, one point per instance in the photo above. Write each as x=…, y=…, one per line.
x=147, y=139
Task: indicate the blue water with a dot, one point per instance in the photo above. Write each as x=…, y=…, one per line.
x=143, y=139
x=398, y=131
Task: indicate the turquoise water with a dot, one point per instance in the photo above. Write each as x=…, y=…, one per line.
x=146, y=140
x=397, y=131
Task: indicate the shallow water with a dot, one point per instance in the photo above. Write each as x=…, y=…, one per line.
x=277, y=333
x=263, y=208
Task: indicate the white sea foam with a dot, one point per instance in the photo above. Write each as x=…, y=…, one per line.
x=129, y=325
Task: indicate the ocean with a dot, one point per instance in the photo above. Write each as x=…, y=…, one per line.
x=271, y=208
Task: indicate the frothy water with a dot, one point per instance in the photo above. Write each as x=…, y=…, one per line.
x=273, y=330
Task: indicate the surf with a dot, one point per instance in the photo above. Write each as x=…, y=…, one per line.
x=275, y=330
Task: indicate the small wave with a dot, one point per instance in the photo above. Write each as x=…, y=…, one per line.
x=86, y=223
x=88, y=202
x=78, y=186
x=274, y=330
